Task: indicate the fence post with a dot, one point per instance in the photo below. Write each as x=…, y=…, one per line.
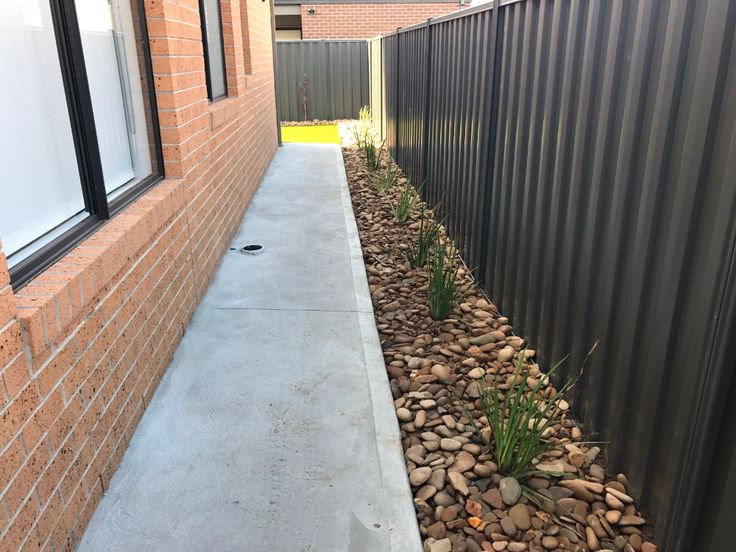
x=328, y=78
x=274, y=56
x=384, y=130
x=381, y=103
x=396, y=110
x=493, y=101
x=427, y=97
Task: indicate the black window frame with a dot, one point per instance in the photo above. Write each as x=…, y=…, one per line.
x=205, y=45
x=99, y=207
x=288, y=22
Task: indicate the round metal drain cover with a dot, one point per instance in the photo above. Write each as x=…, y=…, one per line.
x=252, y=249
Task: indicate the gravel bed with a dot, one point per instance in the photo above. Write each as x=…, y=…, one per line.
x=462, y=502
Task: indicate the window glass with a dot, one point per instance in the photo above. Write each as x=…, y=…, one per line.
x=283, y=35
x=40, y=188
x=80, y=137
x=214, y=50
x=116, y=74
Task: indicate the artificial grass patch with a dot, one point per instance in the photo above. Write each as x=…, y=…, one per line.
x=320, y=134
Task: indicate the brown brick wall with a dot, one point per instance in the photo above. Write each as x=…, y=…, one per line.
x=84, y=345
x=366, y=20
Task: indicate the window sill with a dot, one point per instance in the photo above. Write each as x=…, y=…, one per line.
x=223, y=111
x=66, y=292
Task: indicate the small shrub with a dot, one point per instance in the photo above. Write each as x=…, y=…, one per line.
x=443, y=290
x=366, y=140
x=365, y=117
x=403, y=207
x=519, y=419
x=363, y=130
x=373, y=154
x=383, y=182
x=429, y=230
x=361, y=138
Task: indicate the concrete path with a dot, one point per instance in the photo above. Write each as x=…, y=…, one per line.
x=273, y=429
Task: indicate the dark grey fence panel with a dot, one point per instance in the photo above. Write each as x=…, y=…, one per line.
x=585, y=158
x=458, y=118
x=411, y=101
x=325, y=79
x=389, y=53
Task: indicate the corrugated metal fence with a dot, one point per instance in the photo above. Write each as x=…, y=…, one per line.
x=324, y=79
x=584, y=153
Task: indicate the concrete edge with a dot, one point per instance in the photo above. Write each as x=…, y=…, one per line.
x=403, y=525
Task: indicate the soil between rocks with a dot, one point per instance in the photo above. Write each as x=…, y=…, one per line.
x=433, y=366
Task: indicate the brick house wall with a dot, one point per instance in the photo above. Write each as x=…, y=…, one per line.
x=339, y=21
x=84, y=345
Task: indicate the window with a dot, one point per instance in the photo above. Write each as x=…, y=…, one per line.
x=214, y=49
x=288, y=21
x=80, y=139
x=116, y=89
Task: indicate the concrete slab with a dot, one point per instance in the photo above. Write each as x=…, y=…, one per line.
x=273, y=428
x=299, y=218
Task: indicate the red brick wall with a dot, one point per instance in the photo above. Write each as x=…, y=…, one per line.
x=366, y=20
x=84, y=345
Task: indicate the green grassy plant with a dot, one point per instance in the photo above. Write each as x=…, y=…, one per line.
x=383, y=182
x=373, y=154
x=404, y=206
x=360, y=137
x=362, y=130
x=429, y=230
x=443, y=289
x=366, y=141
x=519, y=419
x=365, y=116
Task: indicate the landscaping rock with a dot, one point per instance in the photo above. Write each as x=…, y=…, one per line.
x=434, y=367
x=483, y=339
x=510, y=490
x=505, y=354
x=631, y=520
x=464, y=461
x=596, y=472
x=492, y=497
x=437, y=530
x=441, y=371
x=476, y=373
x=437, y=479
x=426, y=492
x=442, y=545
x=404, y=414
x=449, y=513
x=508, y=526
x=450, y=444
x=520, y=514
x=420, y=476
x=458, y=482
